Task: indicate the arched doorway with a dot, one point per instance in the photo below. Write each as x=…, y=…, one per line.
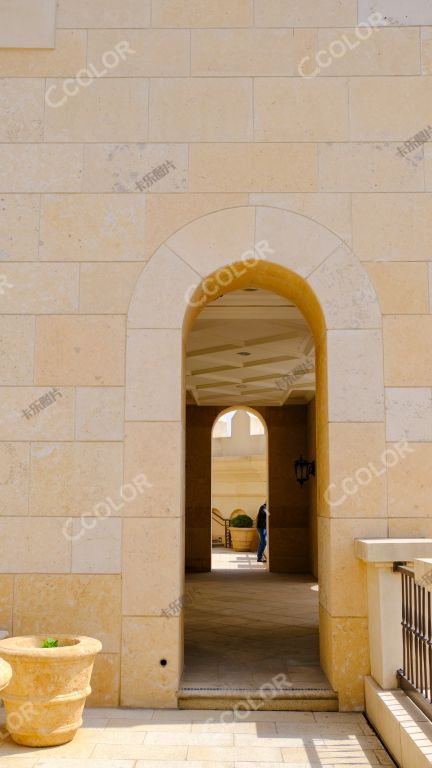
x=322, y=277
x=239, y=479
x=256, y=346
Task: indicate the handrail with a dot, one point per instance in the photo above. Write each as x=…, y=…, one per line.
x=226, y=524
x=415, y=677
x=401, y=568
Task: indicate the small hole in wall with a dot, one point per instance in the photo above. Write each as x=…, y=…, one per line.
x=163, y=662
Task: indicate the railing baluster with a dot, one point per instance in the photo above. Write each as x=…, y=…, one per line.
x=416, y=675
x=416, y=643
x=404, y=619
x=410, y=628
x=423, y=640
x=430, y=645
x=418, y=637
x=420, y=609
x=412, y=632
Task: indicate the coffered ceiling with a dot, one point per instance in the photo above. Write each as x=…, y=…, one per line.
x=250, y=347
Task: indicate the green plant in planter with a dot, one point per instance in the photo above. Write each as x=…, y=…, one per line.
x=50, y=642
x=241, y=521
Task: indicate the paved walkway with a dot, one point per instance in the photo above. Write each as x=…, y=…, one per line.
x=114, y=738
x=244, y=625
x=239, y=613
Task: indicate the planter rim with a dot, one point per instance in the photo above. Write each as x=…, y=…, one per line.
x=242, y=527
x=30, y=646
x=5, y=673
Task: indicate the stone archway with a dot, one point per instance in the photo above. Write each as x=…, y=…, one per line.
x=312, y=267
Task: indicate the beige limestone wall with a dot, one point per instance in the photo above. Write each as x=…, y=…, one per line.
x=238, y=483
x=26, y=24
x=215, y=90
x=244, y=438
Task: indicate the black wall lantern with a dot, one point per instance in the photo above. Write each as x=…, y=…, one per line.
x=303, y=470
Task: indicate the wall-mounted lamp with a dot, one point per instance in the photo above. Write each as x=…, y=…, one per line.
x=303, y=470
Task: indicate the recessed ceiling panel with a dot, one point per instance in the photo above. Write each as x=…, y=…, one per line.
x=250, y=347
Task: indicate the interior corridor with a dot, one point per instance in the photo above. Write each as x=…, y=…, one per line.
x=243, y=626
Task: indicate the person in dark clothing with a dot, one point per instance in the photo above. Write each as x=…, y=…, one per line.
x=262, y=531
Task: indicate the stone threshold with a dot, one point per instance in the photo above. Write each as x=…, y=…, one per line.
x=251, y=699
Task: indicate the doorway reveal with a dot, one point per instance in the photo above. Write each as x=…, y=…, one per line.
x=245, y=625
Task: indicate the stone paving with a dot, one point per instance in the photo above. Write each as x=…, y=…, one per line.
x=275, y=619
x=243, y=625
x=121, y=738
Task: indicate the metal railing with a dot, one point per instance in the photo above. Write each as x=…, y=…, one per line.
x=226, y=524
x=416, y=675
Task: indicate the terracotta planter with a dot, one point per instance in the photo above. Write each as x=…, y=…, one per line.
x=46, y=696
x=5, y=674
x=243, y=539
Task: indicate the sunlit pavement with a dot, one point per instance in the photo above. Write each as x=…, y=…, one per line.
x=228, y=560
x=243, y=626
x=114, y=738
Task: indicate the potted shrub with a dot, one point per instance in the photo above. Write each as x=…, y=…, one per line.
x=242, y=533
x=50, y=683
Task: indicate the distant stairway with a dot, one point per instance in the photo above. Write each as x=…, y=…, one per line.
x=218, y=541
